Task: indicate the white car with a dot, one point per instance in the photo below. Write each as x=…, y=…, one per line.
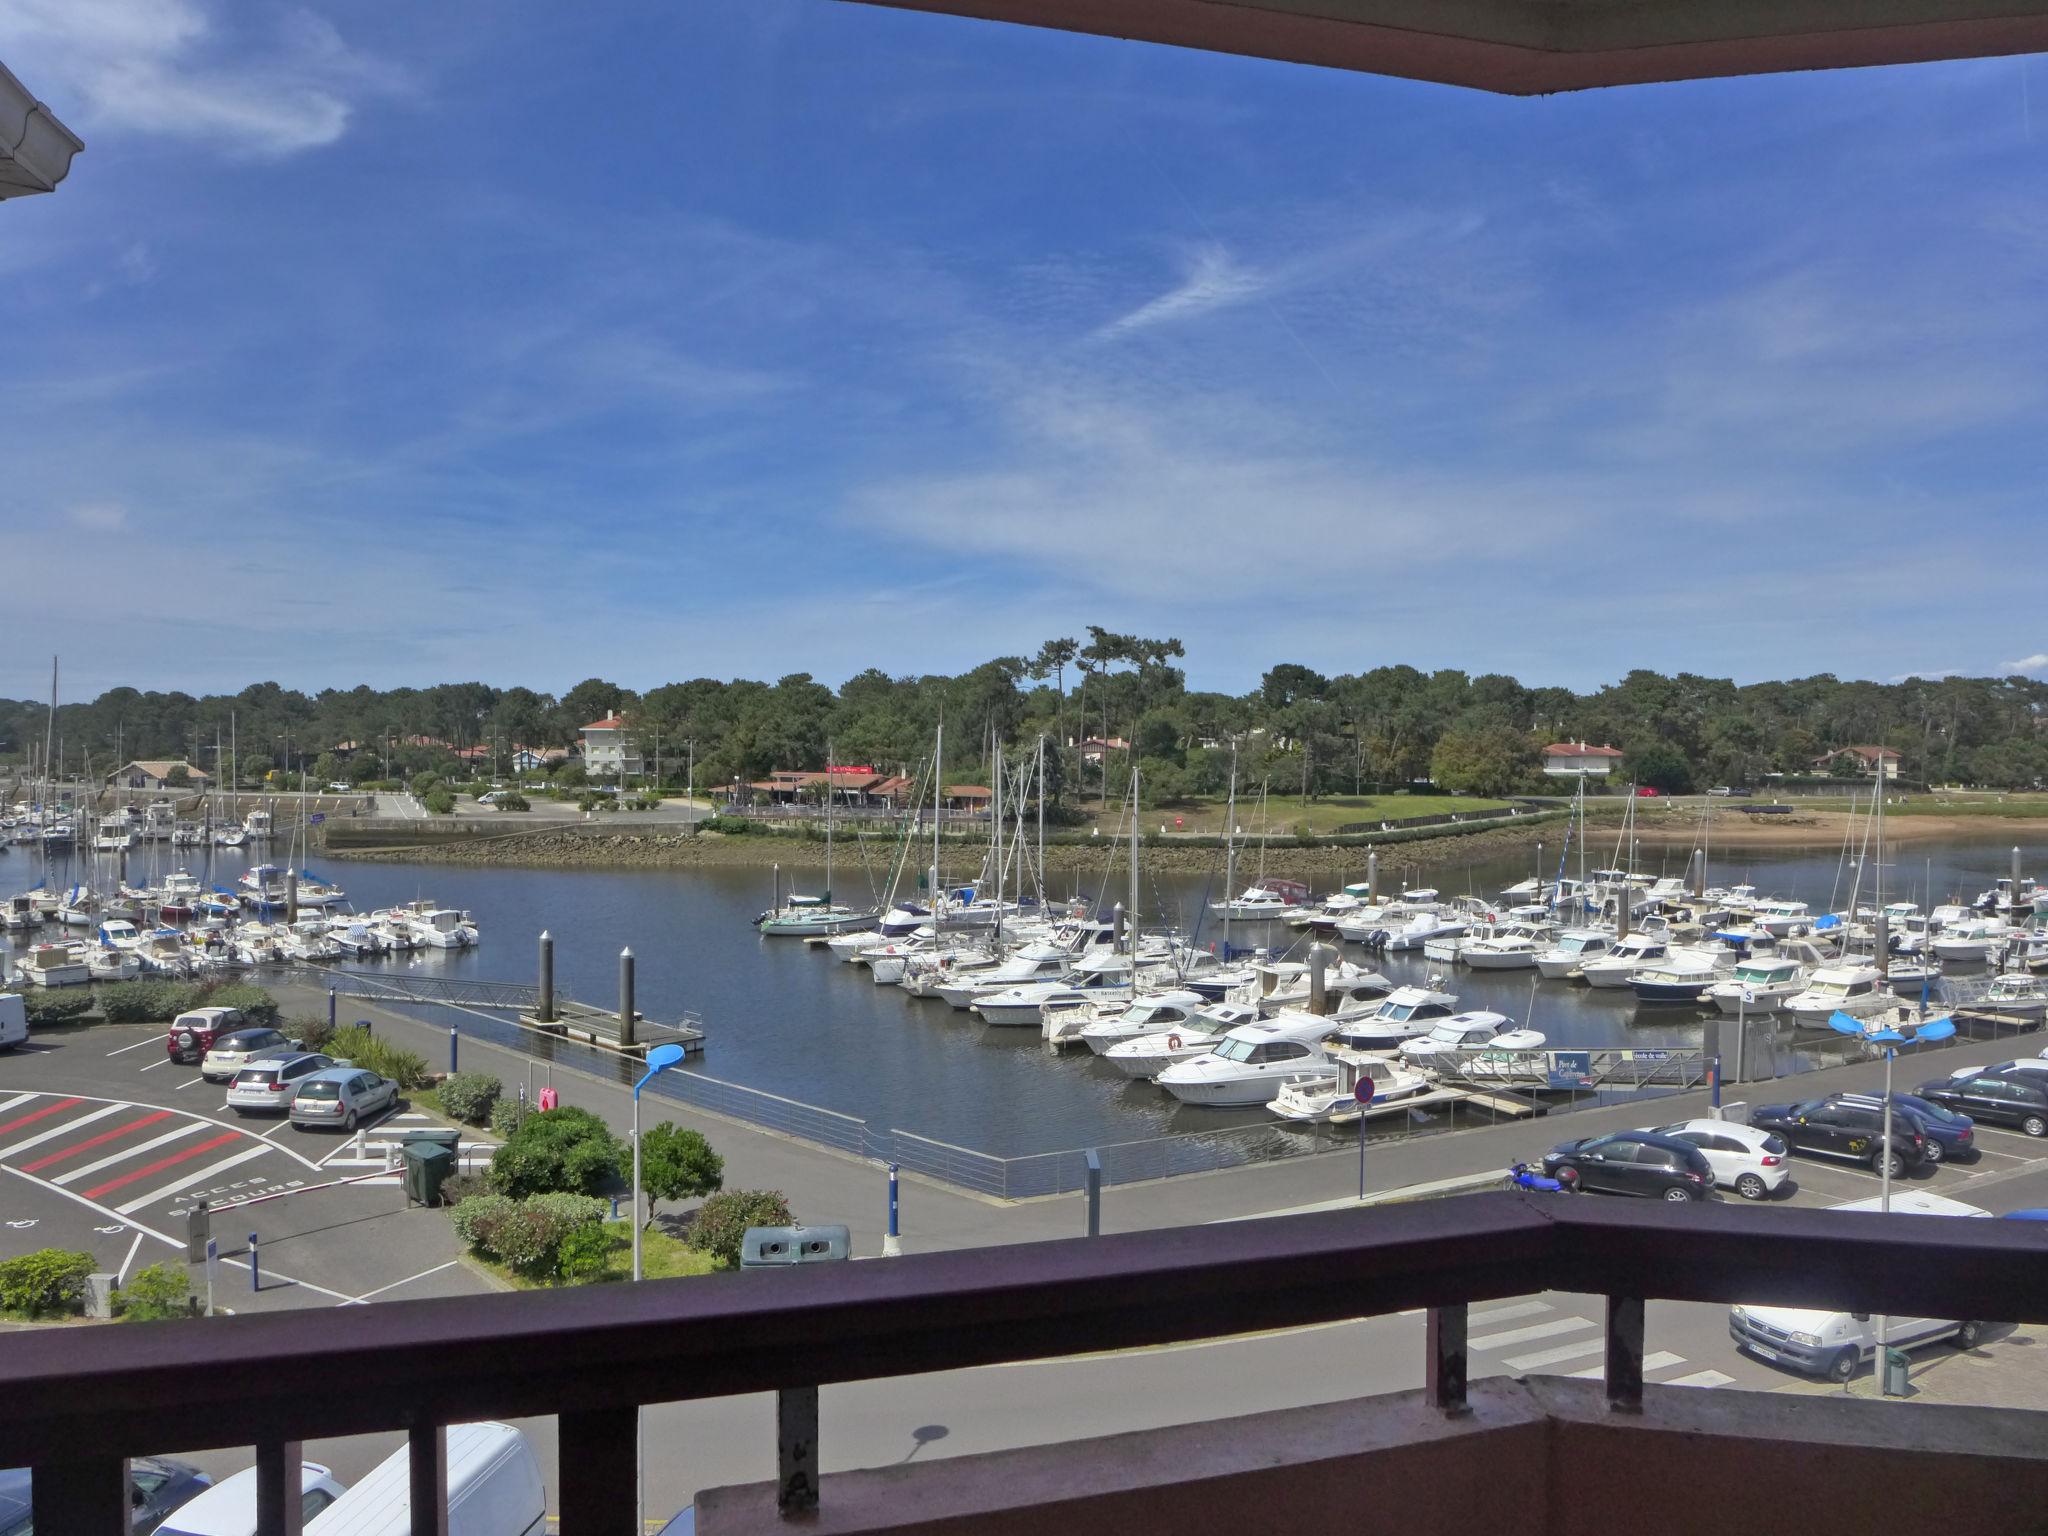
x=2024, y=1064
x=268, y=1084
x=233, y=1051
x=228, y=1508
x=1751, y=1162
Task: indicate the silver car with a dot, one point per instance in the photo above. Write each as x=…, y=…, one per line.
x=344, y=1097
x=268, y=1083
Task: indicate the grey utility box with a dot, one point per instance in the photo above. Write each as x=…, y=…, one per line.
x=1897, y=1369
x=774, y=1247
x=427, y=1166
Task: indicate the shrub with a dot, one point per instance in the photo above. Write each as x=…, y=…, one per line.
x=355, y=1044
x=424, y=784
x=156, y=1292
x=147, y=1002
x=511, y=800
x=312, y=1028
x=458, y=1187
x=507, y=1115
x=676, y=1164
x=470, y=1096
x=46, y=1281
x=529, y=1240
x=257, y=1005
x=722, y=1221
x=439, y=802
x=577, y=1208
x=476, y=1220
x=585, y=1254
x=564, y=1149
x=47, y=1006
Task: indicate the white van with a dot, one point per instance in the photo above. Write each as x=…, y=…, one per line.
x=13, y=1020
x=1834, y=1344
x=228, y=1508
x=494, y=1489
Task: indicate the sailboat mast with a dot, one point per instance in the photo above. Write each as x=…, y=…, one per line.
x=1131, y=911
x=1230, y=851
x=938, y=811
x=831, y=794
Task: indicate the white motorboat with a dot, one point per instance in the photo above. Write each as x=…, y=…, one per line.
x=2018, y=993
x=256, y=825
x=229, y=837
x=1278, y=984
x=1759, y=984
x=445, y=928
x=159, y=821
x=53, y=965
x=1857, y=990
x=1264, y=901
x=1034, y=962
x=1406, y=1013
x=1249, y=1065
x=119, y=933
x=316, y=894
x=1149, y=1055
x=847, y=946
x=1618, y=967
x=107, y=964
x=1574, y=947
x=1155, y=1013
x=263, y=886
x=1971, y=942
x=20, y=912
x=1779, y=918
x=1464, y=1034
x=113, y=836
x=1424, y=926
x=1511, y=947
x=1683, y=976
x=1332, y=1099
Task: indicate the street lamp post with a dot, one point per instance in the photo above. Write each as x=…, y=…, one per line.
x=659, y=1060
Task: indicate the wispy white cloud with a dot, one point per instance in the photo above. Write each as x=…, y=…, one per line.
x=255, y=83
x=2038, y=662
x=98, y=516
x=1213, y=281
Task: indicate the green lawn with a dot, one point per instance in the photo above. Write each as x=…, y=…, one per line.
x=1283, y=814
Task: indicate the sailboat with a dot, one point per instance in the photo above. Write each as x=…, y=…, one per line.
x=804, y=917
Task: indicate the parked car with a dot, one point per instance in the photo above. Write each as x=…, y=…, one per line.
x=1721, y=791
x=1633, y=1163
x=1647, y=792
x=494, y=1489
x=192, y=1034
x=13, y=1020
x=234, y=1050
x=2017, y=1098
x=1837, y=1126
x=269, y=1084
x=1834, y=1344
x=228, y=1508
x=2004, y=1068
x=156, y=1486
x=343, y=1096
x=1948, y=1134
x=1749, y=1161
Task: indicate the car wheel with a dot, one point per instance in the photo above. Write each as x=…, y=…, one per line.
x=1933, y=1152
x=349, y=1123
x=1843, y=1366
x=2035, y=1125
x=1678, y=1194
x=1751, y=1186
x=1969, y=1335
x=1894, y=1164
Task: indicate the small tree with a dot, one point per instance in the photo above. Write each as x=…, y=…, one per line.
x=179, y=776
x=677, y=1164
x=560, y=1149
x=722, y=1221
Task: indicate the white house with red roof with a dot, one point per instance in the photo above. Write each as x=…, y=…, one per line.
x=610, y=750
x=1874, y=761
x=1576, y=760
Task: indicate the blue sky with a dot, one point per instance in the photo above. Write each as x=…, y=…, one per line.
x=399, y=344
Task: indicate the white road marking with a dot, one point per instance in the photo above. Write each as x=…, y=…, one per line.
x=155, y=1064
x=408, y=1280
x=19, y=1098
x=91, y=1205
x=126, y=1152
x=1656, y=1362
x=121, y=1276
x=138, y=1045
x=1505, y=1314
x=1553, y=1356
x=190, y=1179
x=64, y=1129
x=1548, y=1330
x=279, y=1277
x=184, y=1085
x=1700, y=1379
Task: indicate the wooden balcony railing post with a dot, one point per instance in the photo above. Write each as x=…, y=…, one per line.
x=280, y=1486
x=1446, y=1365
x=87, y=1495
x=427, y=1459
x=598, y=1452
x=796, y=1450
x=1625, y=1353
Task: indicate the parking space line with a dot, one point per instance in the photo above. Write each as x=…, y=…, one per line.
x=184, y=1085
x=155, y=1064
x=138, y=1045
x=408, y=1280
x=91, y=1205
x=122, y=1275
x=63, y=1130
x=1533, y=1331
x=194, y=1178
x=127, y=1152
x=161, y=1163
x=95, y=1141
x=37, y=1114
x=1656, y=1362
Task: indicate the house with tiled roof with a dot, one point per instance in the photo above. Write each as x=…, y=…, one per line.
x=1577, y=760
x=155, y=774
x=1873, y=761
x=609, y=750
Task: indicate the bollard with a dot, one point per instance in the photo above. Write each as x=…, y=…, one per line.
x=544, y=1006
x=1094, y=1194
x=1714, y=1081
x=452, y=1037
x=615, y=1208
x=892, y=1243
x=1319, y=957
x=359, y=1142
x=212, y=1268
x=330, y=1010
x=255, y=1269
x=1372, y=875
x=626, y=997
x=291, y=896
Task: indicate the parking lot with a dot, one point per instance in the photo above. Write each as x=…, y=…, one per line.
x=107, y=1146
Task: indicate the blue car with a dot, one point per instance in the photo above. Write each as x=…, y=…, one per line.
x=2031, y=1213
x=1949, y=1134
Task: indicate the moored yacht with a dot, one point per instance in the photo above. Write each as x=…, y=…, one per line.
x=1149, y=1055
x=1332, y=1098
x=1574, y=947
x=1249, y=1065
x=1857, y=990
x=1406, y=1013
x=1617, y=968
x=1463, y=1034
x=2018, y=993
x=1758, y=984
x=1154, y=1013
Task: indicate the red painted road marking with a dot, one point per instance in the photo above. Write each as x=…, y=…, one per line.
x=37, y=1114
x=163, y=1162
x=94, y=1141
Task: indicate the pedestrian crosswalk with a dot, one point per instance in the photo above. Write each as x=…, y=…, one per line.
x=377, y=1154
x=1567, y=1341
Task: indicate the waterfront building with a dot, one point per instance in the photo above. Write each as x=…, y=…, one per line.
x=1872, y=762
x=1577, y=760
x=156, y=774
x=610, y=750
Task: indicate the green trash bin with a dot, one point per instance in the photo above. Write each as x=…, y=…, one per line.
x=1896, y=1372
x=427, y=1166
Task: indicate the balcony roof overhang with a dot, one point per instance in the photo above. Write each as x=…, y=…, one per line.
x=1533, y=47
x=35, y=149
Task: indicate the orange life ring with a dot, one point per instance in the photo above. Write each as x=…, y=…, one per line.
x=1173, y=1042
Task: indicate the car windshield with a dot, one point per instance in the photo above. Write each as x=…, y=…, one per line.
x=320, y=1090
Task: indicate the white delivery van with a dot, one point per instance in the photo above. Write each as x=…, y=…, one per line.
x=494, y=1489
x=1833, y=1344
x=13, y=1020
x=228, y=1508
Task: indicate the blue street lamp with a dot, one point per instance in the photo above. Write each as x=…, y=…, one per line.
x=659, y=1060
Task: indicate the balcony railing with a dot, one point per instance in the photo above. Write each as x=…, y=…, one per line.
x=74, y=1403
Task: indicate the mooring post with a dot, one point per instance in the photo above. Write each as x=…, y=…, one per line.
x=892, y=1244
x=544, y=1005
x=626, y=997
x=1094, y=1194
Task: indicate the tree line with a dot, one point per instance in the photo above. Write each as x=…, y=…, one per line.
x=1301, y=731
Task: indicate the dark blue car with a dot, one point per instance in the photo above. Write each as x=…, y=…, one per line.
x=1949, y=1134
